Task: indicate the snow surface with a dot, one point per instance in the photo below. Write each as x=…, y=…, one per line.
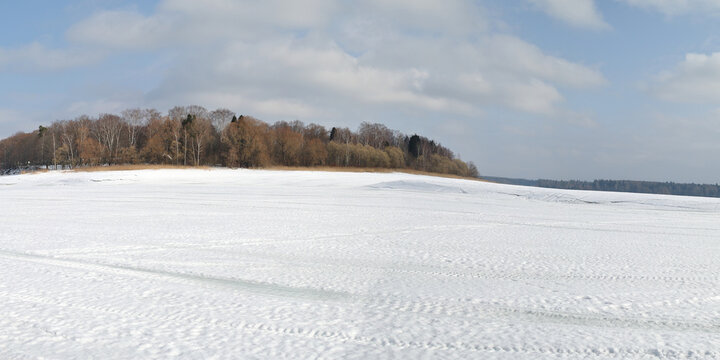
x=270, y=264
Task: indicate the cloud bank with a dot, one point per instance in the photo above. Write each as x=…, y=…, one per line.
x=325, y=58
x=577, y=13
x=694, y=80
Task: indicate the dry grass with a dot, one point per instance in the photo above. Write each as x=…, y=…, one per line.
x=135, y=167
x=35, y=171
x=372, y=170
x=278, y=168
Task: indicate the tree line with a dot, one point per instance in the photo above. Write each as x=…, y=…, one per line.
x=648, y=187
x=632, y=186
x=192, y=135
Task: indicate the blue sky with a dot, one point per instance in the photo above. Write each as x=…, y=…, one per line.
x=564, y=89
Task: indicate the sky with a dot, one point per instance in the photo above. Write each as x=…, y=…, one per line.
x=557, y=89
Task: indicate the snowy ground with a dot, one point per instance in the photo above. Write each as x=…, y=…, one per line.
x=270, y=264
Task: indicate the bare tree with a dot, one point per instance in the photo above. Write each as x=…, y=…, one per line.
x=163, y=137
x=175, y=128
x=134, y=119
x=344, y=136
x=108, y=129
x=186, y=125
x=220, y=118
x=41, y=135
x=67, y=137
x=287, y=144
x=200, y=135
x=375, y=135
x=178, y=113
x=191, y=133
x=53, y=131
x=186, y=115
x=315, y=131
x=197, y=111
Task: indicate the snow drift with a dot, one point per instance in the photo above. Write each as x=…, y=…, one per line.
x=274, y=264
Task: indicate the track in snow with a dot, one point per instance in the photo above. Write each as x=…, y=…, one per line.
x=196, y=264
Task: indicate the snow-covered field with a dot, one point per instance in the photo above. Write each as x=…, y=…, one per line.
x=270, y=264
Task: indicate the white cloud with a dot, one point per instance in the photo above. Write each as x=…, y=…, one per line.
x=515, y=55
x=274, y=13
x=305, y=71
x=679, y=7
x=124, y=30
x=455, y=17
x=429, y=74
x=36, y=57
x=324, y=58
x=694, y=80
x=585, y=13
x=183, y=21
x=578, y=13
x=188, y=22
x=533, y=96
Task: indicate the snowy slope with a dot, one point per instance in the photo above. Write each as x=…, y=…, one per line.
x=272, y=264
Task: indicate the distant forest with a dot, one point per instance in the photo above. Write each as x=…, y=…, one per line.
x=192, y=135
x=649, y=187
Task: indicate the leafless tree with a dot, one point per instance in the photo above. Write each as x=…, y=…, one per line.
x=133, y=119
x=67, y=137
x=108, y=129
x=220, y=118
x=136, y=119
x=375, y=135
x=200, y=135
x=344, y=136
x=315, y=131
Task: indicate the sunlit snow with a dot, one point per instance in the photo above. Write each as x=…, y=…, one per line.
x=278, y=264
